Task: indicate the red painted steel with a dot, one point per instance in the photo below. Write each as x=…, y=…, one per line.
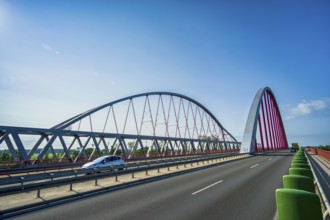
x=272, y=120
x=283, y=137
x=261, y=136
x=273, y=109
x=322, y=153
x=264, y=120
x=270, y=107
x=268, y=123
x=278, y=128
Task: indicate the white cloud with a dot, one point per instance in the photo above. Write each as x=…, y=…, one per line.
x=306, y=108
x=49, y=48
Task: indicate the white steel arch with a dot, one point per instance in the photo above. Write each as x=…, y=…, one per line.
x=265, y=124
x=177, y=125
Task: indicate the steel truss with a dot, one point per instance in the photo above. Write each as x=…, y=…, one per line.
x=143, y=125
x=264, y=128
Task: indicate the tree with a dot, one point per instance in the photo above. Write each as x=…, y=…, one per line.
x=34, y=157
x=46, y=156
x=19, y=155
x=74, y=154
x=60, y=155
x=89, y=151
x=326, y=147
x=5, y=156
x=104, y=152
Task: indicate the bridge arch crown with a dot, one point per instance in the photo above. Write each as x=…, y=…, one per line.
x=264, y=128
x=188, y=117
x=158, y=123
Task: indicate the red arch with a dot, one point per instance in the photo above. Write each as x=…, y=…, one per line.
x=264, y=126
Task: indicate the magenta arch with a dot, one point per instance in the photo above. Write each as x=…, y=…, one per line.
x=265, y=117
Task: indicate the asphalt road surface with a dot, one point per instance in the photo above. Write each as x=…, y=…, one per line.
x=243, y=189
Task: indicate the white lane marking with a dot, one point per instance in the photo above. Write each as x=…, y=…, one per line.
x=206, y=187
x=270, y=158
x=254, y=166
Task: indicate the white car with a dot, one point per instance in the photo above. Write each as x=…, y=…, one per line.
x=105, y=161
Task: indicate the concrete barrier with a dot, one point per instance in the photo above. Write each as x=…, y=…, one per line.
x=301, y=171
x=299, y=161
x=298, y=182
x=299, y=155
x=300, y=158
x=294, y=204
x=300, y=165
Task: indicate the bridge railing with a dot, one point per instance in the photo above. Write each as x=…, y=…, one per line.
x=6, y=164
x=322, y=153
x=302, y=196
x=323, y=197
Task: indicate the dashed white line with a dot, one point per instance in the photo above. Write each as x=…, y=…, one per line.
x=270, y=158
x=254, y=166
x=206, y=187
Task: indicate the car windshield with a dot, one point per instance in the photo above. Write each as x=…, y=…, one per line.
x=98, y=160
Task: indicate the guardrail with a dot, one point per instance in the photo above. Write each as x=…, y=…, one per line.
x=322, y=153
x=298, y=199
x=324, y=200
x=9, y=164
x=35, y=168
x=26, y=166
x=19, y=184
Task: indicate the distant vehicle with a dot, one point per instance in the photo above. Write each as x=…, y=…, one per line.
x=295, y=147
x=105, y=161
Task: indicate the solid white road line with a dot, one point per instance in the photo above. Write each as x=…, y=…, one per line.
x=254, y=166
x=206, y=187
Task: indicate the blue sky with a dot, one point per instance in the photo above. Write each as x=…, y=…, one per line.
x=60, y=58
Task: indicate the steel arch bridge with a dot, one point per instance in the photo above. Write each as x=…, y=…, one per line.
x=264, y=129
x=143, y=125
x=154, y=124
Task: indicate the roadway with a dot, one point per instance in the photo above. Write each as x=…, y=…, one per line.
x=243, y=189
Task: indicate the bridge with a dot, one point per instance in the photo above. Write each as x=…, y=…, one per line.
x=161, y=135
x=144, y=125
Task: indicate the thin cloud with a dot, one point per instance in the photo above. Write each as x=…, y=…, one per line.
x=306, y=108
x=49, y=48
